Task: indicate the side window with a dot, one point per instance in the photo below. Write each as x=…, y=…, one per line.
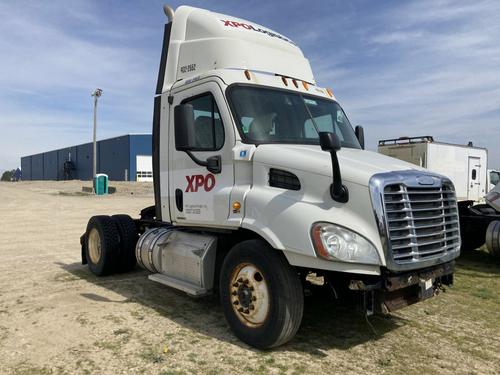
x=209, y=130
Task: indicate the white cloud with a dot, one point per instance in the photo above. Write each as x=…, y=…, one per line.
x=49, y=67
x=429, y=67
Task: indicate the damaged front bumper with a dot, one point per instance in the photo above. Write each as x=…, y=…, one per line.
x=397, y=290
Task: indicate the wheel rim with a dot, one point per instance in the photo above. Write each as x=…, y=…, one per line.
x=249, y=295
x=94, y=244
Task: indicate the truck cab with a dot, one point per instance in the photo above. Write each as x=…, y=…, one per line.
x=260, y=180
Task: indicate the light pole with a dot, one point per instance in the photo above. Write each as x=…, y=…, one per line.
x=96, y=94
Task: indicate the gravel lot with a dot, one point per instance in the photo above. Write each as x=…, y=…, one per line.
x=57, y=318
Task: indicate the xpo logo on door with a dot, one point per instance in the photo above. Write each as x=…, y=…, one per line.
x=197, y=181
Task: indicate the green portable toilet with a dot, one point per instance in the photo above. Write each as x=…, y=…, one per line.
x=101, y=184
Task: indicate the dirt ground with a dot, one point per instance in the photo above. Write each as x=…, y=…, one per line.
x=57, y=318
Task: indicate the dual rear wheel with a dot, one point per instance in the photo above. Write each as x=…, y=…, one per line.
x=493, y=238
x=109, y=244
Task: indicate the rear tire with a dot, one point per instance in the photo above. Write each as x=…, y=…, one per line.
x=261, y=295
x=101, y=245
x=493, y=238
x=128, y=239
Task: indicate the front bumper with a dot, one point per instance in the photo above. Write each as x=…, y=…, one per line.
x=397, y=290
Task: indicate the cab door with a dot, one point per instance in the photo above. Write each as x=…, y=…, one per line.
x=199, y=197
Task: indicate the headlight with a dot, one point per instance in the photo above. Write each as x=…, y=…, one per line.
x=334, y=242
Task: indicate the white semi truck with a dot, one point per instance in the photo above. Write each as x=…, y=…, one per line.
x=259, y=180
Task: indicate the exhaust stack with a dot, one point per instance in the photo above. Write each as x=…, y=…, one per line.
x=169, y=12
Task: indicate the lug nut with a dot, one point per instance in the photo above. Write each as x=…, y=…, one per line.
x=235, y=293
x=240, y=280
x=245, y=281
x=240, y=309
x=254, y=298
x=235, y=285
x=252, y=307
x=246, y=311
x=236, y=302
x=251, y=288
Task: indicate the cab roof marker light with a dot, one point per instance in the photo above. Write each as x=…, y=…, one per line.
x=329, y=92
x=284, y=80
x=247, y=74
x=295, y=83
x=306, y=85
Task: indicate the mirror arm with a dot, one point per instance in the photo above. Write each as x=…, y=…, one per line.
x=195, y=159
x=213, y=163
x=338, y=191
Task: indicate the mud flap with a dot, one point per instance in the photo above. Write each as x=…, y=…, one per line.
x=82, y=244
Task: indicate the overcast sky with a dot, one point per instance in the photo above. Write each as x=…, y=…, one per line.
x=398, y=68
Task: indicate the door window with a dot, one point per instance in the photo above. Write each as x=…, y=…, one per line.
x=209, y=130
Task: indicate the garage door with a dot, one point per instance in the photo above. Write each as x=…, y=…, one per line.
x=144, y=168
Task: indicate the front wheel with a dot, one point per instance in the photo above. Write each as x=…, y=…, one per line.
x=261, y=295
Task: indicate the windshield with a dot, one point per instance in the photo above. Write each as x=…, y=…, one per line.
x=265, y=115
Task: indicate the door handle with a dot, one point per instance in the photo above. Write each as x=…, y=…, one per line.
x=179, y=201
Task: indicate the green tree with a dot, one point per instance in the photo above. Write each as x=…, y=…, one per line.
x=7, y=175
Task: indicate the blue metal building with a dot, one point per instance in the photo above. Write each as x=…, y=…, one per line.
x=124, y=158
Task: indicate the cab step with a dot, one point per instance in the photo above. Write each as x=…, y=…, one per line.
x=191, y=289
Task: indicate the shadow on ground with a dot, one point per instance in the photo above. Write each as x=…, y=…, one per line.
x=479, y=262
x=327, y=323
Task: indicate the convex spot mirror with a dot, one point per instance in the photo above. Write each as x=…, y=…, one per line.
x=185, y=139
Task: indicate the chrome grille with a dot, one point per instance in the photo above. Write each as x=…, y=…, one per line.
x=422, y=221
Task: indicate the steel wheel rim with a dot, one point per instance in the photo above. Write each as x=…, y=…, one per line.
x=249, y=295
x=94, y=244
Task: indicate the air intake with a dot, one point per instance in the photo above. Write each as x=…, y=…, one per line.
x=283, y=179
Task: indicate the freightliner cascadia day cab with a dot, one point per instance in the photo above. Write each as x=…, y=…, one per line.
x=260, y=180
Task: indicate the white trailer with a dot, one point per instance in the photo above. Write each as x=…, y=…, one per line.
x=260, y=179
x=466, y=166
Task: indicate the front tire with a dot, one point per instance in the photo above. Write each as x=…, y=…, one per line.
x=261, y=295
x=101, y=245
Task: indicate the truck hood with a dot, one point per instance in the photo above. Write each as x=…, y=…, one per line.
x=356, y=166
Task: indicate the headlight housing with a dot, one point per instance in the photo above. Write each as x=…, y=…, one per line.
x=334, y=242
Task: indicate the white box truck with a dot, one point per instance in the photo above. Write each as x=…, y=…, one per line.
x=259, y=180
x=465, y=165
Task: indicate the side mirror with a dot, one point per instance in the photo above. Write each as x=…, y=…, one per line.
x=360, y=134
x=184, y=127
x=329, y=141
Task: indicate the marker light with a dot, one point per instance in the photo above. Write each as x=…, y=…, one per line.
x=247, y=74
x=236, y=206
x=306, y=85
x=330, y=92
x=295, y=83
x=333, y=242
x=284, y=80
